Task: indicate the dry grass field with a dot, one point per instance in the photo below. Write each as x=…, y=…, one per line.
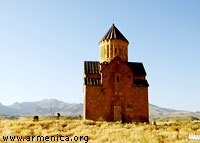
x=48, y=130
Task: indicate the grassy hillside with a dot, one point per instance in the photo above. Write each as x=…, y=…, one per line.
x=97, y=132
x=177, y=118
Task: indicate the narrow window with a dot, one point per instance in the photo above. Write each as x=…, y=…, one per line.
x=101, y=52
x=117, y=78
x=116, y=84
x=107, y=51
x=111, y=51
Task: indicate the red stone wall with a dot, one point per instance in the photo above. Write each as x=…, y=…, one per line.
x=100, y=100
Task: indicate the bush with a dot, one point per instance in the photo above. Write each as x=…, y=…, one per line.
x=101, y=119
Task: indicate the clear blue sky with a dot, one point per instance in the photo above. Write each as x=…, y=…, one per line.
x=43, y=44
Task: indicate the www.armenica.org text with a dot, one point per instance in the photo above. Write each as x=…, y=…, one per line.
x=46, y=138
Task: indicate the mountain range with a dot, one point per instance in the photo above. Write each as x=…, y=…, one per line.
x=52, y=106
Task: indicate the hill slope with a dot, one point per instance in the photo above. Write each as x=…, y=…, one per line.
x=159, y=111
x=44, y=107
x=52, y=106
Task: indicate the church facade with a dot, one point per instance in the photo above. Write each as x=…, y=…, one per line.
x=115, y=89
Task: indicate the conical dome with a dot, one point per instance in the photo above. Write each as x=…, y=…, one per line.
x=114, y=33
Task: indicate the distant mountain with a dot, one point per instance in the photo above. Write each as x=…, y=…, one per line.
x=156, y=111
x=52, y=106
x=198, y=112
x=44, y=107
x=7, y=111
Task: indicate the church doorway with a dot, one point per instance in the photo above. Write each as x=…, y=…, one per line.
x=117, y=113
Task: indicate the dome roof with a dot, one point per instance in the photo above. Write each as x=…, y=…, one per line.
x=114, y=33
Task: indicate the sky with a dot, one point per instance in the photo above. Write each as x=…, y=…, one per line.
x=44, y=43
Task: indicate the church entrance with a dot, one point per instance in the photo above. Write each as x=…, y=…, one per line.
x=117, y=113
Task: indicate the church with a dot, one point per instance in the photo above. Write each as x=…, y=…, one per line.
x=115, y=89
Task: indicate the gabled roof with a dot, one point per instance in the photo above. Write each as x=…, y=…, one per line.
x=91, y=67
x=140, y=82
x=114, y=33
x=117, y=58
x=92, y=81
x=137, y=68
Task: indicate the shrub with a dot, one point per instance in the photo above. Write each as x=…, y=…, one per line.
x=100, y=119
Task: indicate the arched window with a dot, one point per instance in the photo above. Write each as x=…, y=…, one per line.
x=105, y=54
x=115, y=51
x=111, y=51
x=117, y=78
x=108, y=51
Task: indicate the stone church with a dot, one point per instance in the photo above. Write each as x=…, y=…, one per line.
x=114, y=88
